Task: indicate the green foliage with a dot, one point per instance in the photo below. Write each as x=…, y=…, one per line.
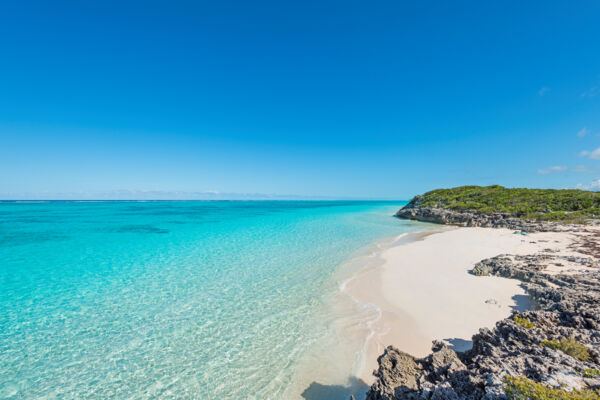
x=590, y=373
x=568, y=346
x=525, y=389
x=524, y=322
x=541, y=204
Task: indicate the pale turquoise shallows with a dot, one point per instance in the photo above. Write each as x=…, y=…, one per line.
x=208, y=300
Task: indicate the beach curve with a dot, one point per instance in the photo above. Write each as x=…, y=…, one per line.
x=425, y=291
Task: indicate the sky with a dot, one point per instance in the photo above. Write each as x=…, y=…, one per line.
x=307, y=99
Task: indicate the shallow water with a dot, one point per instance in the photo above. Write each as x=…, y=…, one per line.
x=211, y=300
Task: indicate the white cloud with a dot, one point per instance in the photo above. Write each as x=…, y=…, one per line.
x=593, y=185
x=582, y=168
x=563, y=168
x=592, y=92
x=594, y=154
x=555, y=168
x=543, y=90
x=134, y=194
x=584, y=131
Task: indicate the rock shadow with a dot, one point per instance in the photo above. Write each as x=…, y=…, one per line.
x=459, y=345
x=318, y=391
x=522, y=302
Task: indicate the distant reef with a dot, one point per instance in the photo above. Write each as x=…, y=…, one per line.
x=550, y=352
x=530, y=210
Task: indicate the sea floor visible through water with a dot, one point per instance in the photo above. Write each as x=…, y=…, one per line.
x=337, y=366
x=207, y=300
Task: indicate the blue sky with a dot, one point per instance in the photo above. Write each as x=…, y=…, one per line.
x=326, y=98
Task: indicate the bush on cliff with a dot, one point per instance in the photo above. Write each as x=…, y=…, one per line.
x=541, y=204
x=522, y=321
x=519, y=388
x=590, y=373
x=568, y=346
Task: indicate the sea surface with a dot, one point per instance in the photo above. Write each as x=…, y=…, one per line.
x=184, y=300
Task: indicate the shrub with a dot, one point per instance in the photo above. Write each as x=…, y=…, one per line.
x=568, y=346
x=541, y=204
x=524, y=322
x=590, y=373
x=519, y=388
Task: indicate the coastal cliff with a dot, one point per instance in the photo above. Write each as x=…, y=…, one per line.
x=549, y=352
x=529, y=210
x=438, y=215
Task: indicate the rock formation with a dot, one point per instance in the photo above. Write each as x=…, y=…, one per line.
x=565, y=292
x=415, y=211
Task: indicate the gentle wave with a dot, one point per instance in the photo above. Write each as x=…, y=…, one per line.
x=184, y=299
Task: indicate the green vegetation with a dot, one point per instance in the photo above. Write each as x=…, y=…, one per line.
x=524, y=322
x=568, y=346
x=526, y=389
x=590, y=373
x=541, y=204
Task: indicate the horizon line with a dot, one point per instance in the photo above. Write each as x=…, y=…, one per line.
x=188, y=200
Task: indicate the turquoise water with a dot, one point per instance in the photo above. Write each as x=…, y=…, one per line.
x=208, y=300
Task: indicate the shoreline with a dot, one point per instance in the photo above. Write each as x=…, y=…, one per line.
x=365, y=265
x=422, y=286
x=331, y=368
x=374, y=308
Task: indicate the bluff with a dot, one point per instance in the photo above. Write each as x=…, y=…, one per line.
x=529, y=210
x=549, y=352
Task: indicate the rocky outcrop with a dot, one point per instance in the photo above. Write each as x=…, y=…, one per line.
x=416, y=211
x=441, y=375
x=565, y=290
x=397, y=375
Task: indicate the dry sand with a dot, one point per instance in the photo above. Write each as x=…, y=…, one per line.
x=425, y=291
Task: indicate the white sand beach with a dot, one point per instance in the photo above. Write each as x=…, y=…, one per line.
x=426, y=292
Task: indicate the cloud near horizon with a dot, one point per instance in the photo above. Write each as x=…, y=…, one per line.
x=582, y=168
x=127, y=194
x=593, y=185
x=594, y=154
x=564, y=168
x=555, y=168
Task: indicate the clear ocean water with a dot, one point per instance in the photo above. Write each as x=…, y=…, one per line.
x=206, y=300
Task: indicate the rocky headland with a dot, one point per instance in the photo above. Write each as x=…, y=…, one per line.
x=416, y=211
x=549, y=352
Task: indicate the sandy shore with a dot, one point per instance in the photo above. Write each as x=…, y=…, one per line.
x=425, y=291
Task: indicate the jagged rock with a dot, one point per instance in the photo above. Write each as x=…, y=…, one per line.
x=401, y=376
x=567, y=305
x=396, y=376
x=443, y=362
x=415, y=211
x=444, y=391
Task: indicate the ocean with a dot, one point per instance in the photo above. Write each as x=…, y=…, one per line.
x=185, y=300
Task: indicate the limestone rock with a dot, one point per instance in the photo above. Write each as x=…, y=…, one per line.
x=567, y=305
x=415, y=211
x=396, y=376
